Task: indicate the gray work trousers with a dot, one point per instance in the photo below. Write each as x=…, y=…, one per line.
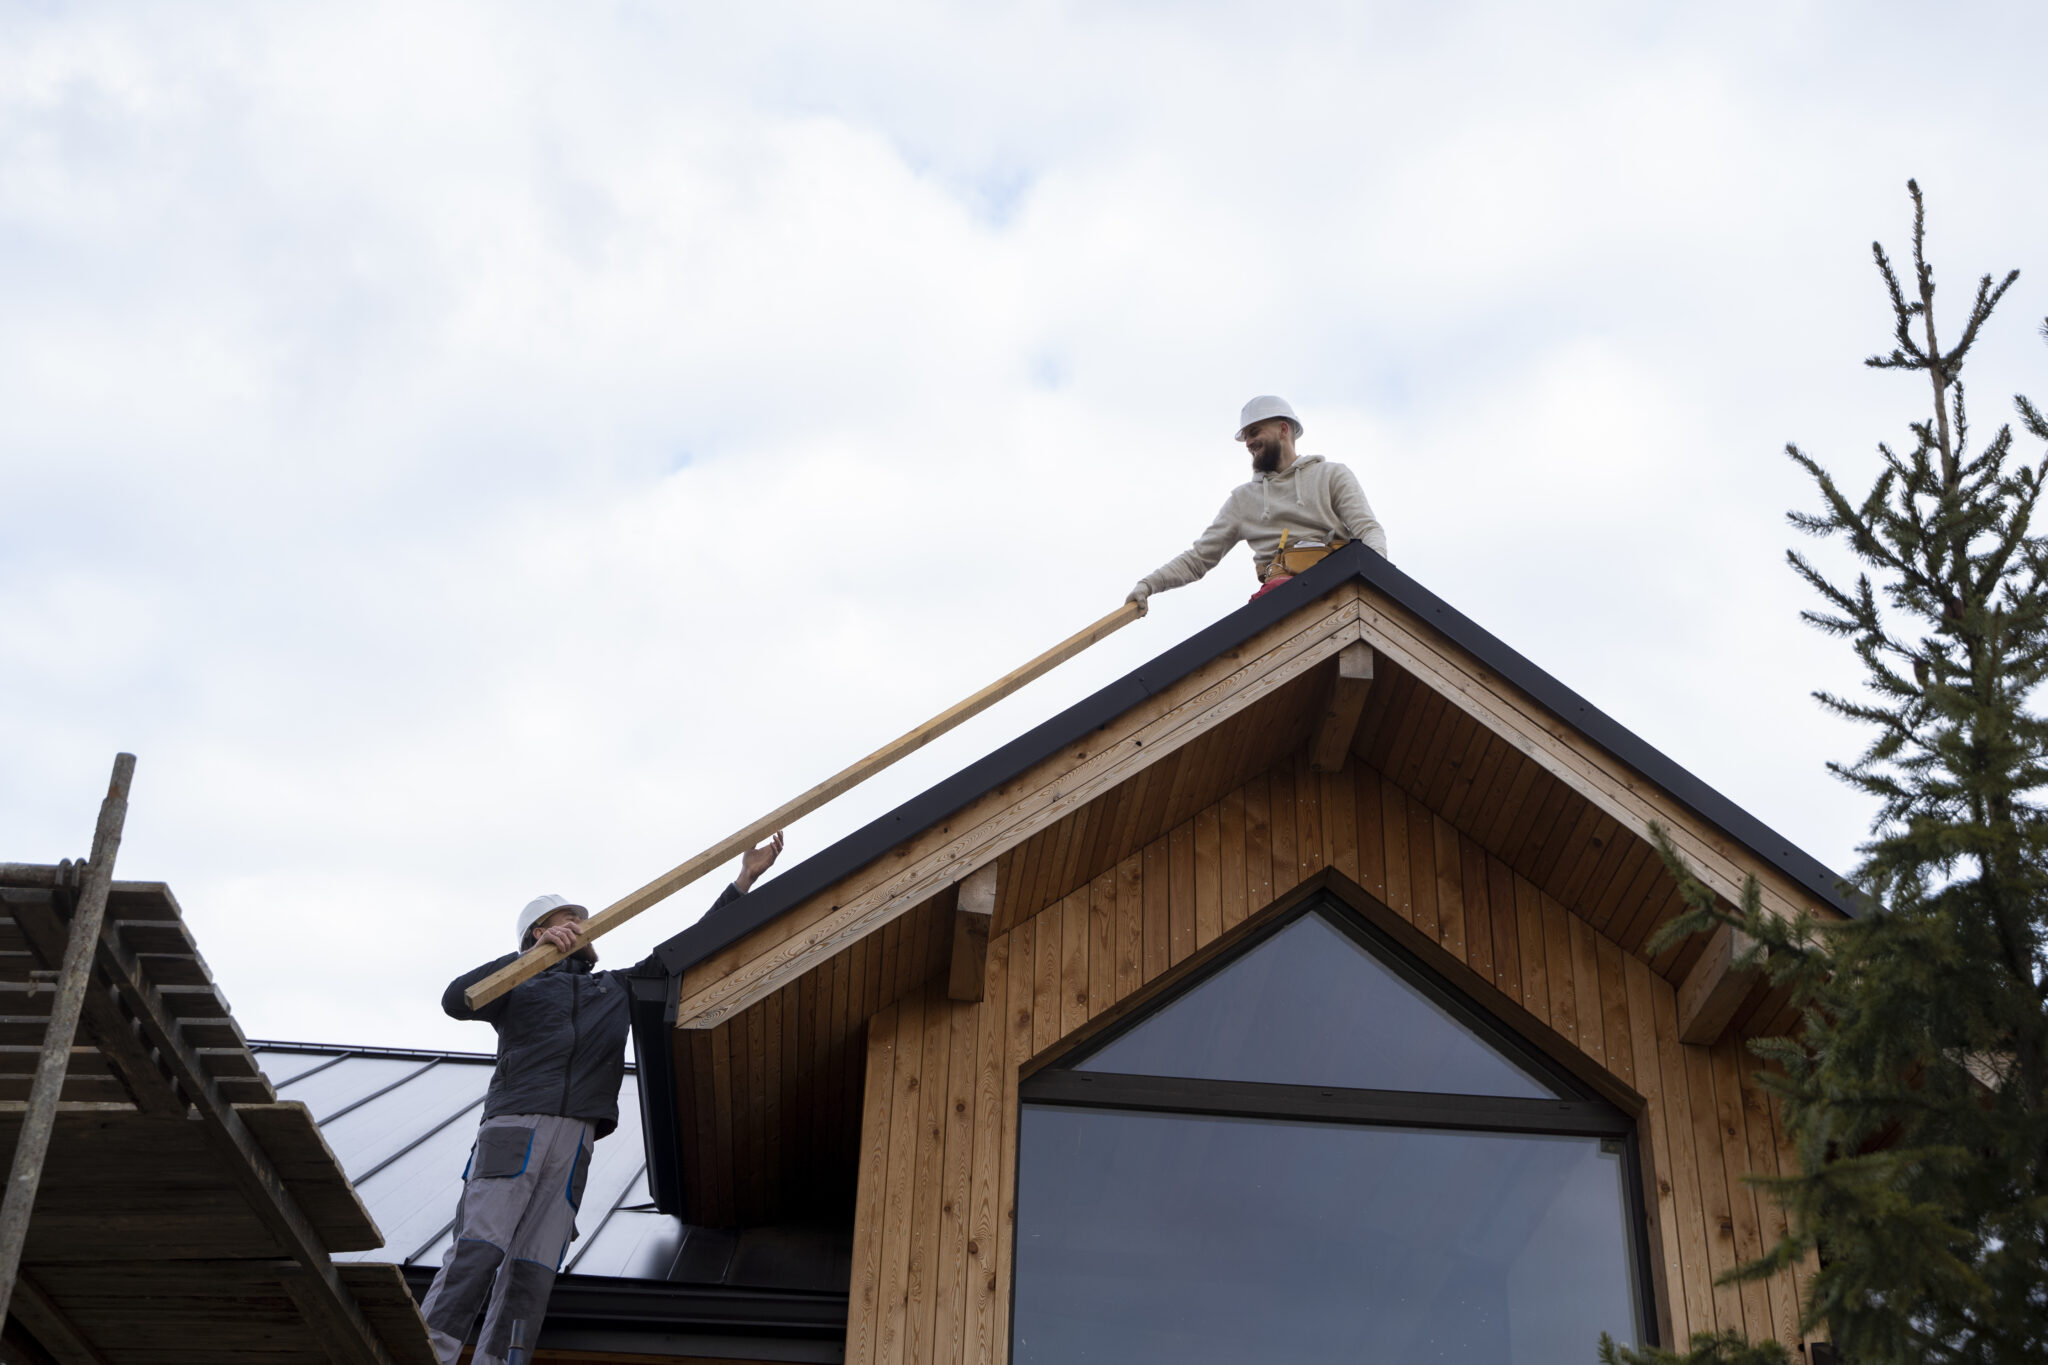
x=513, y=1226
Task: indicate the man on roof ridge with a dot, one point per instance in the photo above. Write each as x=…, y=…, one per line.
x=553, y=1093
x=1295, y=510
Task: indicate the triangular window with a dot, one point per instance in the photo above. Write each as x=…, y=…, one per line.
x=1310, y=1005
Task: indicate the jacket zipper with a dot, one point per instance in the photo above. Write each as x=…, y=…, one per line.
x=569, y=1062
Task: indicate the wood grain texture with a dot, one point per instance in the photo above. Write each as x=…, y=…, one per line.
x=1055, y=974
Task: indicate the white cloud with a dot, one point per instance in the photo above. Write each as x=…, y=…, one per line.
x=467, y=450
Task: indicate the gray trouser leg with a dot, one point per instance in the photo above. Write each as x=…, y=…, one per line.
x=513, y=1225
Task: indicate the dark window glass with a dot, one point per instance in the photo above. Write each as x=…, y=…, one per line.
x=1309, y=1006
x=1182, y=1240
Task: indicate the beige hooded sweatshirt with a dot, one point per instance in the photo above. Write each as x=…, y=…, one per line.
x=1310, y=499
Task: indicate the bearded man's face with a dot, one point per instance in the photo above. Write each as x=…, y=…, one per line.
x=1268, y=442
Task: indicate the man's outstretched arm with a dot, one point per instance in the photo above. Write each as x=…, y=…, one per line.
x=753, y=863
x=1190, y=564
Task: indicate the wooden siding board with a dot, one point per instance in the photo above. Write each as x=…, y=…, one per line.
x=1156, y=888
x=1760, y=1127
x=1102, y=943
x=1422, y=866
x=1717, y=1210
x=1180, y=900
x=1310, y=855
x=1045, y=980
x=1340, y=822
x=1523, y=777
x=1400, y=896
x=1535, y=962
x=865, y=1308
x=1231, y=859
x=1130, y=925
x=1258, y=842
x=1208, y=875
x=1557, y=957
x=1478, y=907
x=1372, y=837
x=927, y=1215
x=952, y=1314
x=1075, y=938
x=1726, y=1063
x=1450, y=888
x=901, y=1167
x=1586, y=989
x=1281, y=813
x=1656, y=1140
x=1507, y=949
x=1440, y=765
x=1465, y=769
x=984, y=1225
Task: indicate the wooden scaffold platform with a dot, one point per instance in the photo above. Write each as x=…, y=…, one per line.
x=162, y=1205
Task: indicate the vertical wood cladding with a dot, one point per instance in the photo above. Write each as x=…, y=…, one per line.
x=935, y=1203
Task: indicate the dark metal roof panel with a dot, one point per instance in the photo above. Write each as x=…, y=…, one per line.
x=401, y=1122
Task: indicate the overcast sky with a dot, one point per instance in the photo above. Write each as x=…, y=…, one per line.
x=471, y=451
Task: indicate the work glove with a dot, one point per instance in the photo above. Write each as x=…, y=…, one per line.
x=1141, y=594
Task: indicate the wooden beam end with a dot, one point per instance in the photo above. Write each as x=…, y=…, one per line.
x=1343, y=704
x=1712, y=991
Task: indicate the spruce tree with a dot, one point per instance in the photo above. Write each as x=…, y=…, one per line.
x=1916, y=1086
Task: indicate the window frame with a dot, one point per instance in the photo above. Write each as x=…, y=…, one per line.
x=1586, y=1114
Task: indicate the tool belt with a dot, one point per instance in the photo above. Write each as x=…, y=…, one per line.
x=1289, y=560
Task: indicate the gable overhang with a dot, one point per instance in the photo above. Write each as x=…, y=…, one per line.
x=1553, y=725
x=750, y=948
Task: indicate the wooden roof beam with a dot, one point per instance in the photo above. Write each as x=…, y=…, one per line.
x=974, y=911
x=1712, y=991
x=1342, y=706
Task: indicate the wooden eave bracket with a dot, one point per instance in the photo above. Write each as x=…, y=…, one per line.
x=1344, y=703
x=973, y=913
x=1712, y=991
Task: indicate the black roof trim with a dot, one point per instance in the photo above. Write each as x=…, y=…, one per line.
x=737, y=918
x=657, y=1306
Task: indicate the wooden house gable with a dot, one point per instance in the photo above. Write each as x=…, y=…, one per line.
x=825, y=1063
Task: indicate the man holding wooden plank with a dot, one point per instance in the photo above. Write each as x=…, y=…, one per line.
x=555, y=1092
x=1295, y=510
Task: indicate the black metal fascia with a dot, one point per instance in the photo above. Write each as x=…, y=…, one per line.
x=660, y=1306
x=738, y=918
x=652, y=1007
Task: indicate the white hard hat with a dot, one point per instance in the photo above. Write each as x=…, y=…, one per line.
x=538, y=908
x=1262, y=407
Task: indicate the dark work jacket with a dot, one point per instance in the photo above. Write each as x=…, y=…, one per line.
x=561, y=1036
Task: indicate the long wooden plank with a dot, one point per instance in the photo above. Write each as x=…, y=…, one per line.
x=540, y=958
x=730, y=980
